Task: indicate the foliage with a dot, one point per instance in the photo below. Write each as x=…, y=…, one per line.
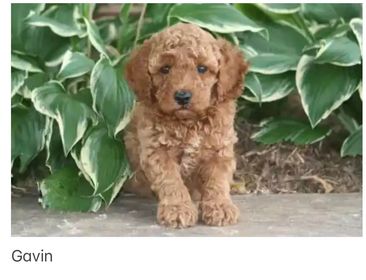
x=71, y=102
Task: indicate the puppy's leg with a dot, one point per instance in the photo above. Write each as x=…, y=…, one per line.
x=216, y=206
x=175, y=207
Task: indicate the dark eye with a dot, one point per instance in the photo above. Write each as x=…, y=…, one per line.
x=201, y=69
x=165, y=69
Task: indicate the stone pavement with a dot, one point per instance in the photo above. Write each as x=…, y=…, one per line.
x=261, y=215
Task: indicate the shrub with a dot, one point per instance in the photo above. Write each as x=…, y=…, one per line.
x=70, y=102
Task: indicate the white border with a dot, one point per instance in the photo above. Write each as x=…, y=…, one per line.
x=165, y=258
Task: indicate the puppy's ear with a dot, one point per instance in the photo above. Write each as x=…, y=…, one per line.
x=231, y=72
x=137, y=72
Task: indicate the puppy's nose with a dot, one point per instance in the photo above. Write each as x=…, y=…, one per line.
x=183, y=97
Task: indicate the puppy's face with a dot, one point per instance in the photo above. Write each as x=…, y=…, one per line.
x=183, y=70
x=184, y=79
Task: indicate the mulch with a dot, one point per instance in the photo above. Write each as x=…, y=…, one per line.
x=286, y=168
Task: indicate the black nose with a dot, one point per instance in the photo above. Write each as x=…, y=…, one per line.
x=183, y=97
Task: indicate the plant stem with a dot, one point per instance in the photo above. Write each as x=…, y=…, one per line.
x=301, y=23
x=140, y=24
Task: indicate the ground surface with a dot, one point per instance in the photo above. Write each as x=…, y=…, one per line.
x=287, y=168
x=261, y=215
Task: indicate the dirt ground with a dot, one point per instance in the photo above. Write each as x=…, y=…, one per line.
x=286, y=168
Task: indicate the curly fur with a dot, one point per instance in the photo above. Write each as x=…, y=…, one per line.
x=184, y=154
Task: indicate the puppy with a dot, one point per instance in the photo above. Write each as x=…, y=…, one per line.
x=181, y=137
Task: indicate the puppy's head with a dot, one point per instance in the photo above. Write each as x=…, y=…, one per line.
x=184, y=70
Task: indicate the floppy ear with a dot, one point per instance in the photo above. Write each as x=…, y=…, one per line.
x=137, y=73
x=231, y=72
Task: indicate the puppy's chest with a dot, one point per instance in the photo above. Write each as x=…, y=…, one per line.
x=186, y=148
x=189, y=155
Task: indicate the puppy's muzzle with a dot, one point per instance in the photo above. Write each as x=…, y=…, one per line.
x=183, y=97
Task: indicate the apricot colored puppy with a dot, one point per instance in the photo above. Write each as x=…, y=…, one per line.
x=181, y=136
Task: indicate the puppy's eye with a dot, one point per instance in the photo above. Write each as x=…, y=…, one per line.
x=165, y=69
x=201, y=69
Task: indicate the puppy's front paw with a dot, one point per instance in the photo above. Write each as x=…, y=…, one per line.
x=219, y=213
x=177, y=215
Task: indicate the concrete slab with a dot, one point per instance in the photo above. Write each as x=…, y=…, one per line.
x=261, y=215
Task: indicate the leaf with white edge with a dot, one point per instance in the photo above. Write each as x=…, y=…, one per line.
x=19, y=11
x=112, y=98
x=253, y=84
x=278, y=40
x=329, y=31
x=55, y=159
x=67, y=191
x=275, y=55
x=340, y=51
x=33, y=81
x=220, y=18
x=16, y=100
x=94, y=37
x=24, y=63
x=17, y=80
x=87, y=9
x=352, y=146
x=356, y=26
x=326, y=12
x=58, y=28
x=28, y=134
x=285, y=8
x=103, y=161
x=74, y=65
x=72, y=116
x=347, y=120
x=278, y=130
x=124, y=13
x=268, y=63
x=268, y=88
x=324, y=87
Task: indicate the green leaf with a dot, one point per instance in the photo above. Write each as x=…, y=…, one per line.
x=352, y=146
x=278, y=130
x=220, y=18
x=285, y=8
x=347, y=120
x=94, y=37
x=103, y=162
x=87, y=9
x=265, y=17
x=17, y=80
x=323, y=13
x=60, y=20
x=71, y=115
x=112, y=98
x=324, y=87
x=18, y=13
x=43, y=44
x=28, y=132
x=74, y=65
x=55, y=159
x=329, y=31
x=275, y=55
x=269, y=63
x=340, y=51
x=16, y=100
x=33, y=81
x=356, y=26
x=67, y=191
x=268, y=88
x=24, y=63
x=124, y=12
